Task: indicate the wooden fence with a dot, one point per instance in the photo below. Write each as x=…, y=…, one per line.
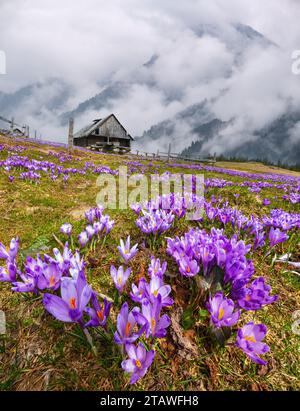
x=159, y=155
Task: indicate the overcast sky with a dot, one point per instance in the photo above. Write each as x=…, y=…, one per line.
x=89, y=42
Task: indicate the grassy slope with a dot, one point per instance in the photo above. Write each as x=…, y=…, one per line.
x=39, y=352
x=254, y=167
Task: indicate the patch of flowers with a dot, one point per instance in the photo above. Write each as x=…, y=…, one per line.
x=157, y=216
x=261, y=230
x=99, y=224
x=145, y=322
x=32, y=169
x=221, y=268
x=61, y=281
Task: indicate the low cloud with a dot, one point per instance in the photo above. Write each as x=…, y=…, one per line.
x=199, y=56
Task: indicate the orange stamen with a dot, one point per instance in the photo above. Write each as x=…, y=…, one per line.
x=221, y=314
x=250, y=338
x=100, y=315
x=127, y=329
x=153, y=324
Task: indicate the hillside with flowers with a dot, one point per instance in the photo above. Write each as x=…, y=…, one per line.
x=144, y=298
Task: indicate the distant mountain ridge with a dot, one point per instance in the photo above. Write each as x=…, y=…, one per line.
x=272, y=142
x=56, y=91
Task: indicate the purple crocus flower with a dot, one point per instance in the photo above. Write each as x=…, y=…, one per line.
x=83, y=238
x=107, y=223
x=8, y=274
x=77, y=265
x=139, y=361
x=66, y=228
x=276, y=236
x=63, y=259
x=99, y=313
x=33, y=270
x=136, y=208
x=90, y=230
x=249, y=339
x=259, y=239
x=222, y=311
x=156, y=325
x=109, y=226
x=156, y=269
x=238, y=289
x=158, y=288
x=75, y=296
x=98, y=227
x=94, y=214
x=139, y=292
x=34, y=266
x=257, y=295
x=126, y=252
x=126, y=323
x=237, y=266
x=11, y=179
x=28, y=285
x=188, y=267
x=90, y=215
x=50, y=277
x=266, y=202
x=119, y=276
x=10, y=253
x=207, y=256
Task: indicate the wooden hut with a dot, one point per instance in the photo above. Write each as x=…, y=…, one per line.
x=106, y=134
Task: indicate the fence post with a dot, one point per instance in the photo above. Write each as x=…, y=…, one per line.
x=70, y=136
x=169, y=152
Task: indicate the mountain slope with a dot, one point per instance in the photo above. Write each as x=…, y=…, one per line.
x=276, y=142
x=34, y=100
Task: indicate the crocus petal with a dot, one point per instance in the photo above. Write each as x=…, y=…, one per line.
x=85, y=297
x=57, y=307
x=128, y=365
x=131, y=351
x=69, y=291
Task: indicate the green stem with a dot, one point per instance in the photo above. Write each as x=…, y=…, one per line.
x=116, y=297
x=90, y=341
